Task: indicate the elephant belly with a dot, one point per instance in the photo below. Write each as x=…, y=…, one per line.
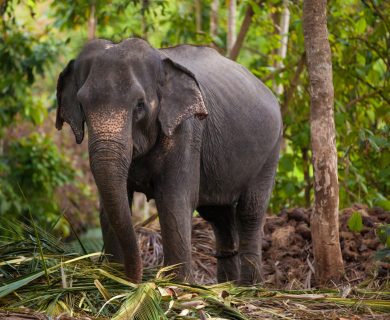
x=233, y=154
x=225, y=176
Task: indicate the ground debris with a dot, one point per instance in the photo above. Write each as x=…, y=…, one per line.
x=89, y=287
x=287, y=251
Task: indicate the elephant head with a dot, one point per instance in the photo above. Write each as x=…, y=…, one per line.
x=126, y=94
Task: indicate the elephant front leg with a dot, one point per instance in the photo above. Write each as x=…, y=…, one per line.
x=175, y=216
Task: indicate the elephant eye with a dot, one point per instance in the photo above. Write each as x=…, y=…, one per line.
x=140, y=106
x=140, y=110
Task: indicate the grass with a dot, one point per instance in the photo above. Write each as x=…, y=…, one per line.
x=39, y=272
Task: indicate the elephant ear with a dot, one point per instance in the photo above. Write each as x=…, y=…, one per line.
x=181, y=97
x=69, y=109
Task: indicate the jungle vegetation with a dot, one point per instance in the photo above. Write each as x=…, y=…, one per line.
x=38, y=37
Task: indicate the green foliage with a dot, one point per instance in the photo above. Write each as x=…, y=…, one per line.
x=383, y=233
x=32, y=169
x=358, y=34
x=142, y=304
x=35, y=33
x=24, y=56
x=85, y=285
x=355, y=222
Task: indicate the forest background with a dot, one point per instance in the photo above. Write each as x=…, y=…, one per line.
x=47, y=174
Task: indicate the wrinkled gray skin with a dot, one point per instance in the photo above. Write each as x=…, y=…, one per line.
x=185, y=126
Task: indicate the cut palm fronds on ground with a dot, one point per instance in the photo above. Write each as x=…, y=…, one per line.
x=87, y=286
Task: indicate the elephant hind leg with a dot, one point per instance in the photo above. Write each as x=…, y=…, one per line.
x=223, y=222
x=251, y=210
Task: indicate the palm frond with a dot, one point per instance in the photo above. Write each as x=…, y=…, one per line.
x=88, y=285
x=142, y=304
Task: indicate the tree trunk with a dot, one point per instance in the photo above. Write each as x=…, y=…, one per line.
x=198, y=16
x=231, y=34
x=306, y=174
x=282, y=51
x=324, y=220
x=214, y=19
x=92, y=22
x=144, y=23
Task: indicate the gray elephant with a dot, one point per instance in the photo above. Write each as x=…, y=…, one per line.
x=188, y=128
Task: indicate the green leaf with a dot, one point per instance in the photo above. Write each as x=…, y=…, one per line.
x=286, y=163
x=361, y=59
x=385, y=204
x=383, y=233
x=360, y=26
x=383, y=254
x=355, y=222
x=143, y=304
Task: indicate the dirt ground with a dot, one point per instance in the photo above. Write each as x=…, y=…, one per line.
x=287, y=251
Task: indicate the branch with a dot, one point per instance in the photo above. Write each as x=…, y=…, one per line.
x=280, y=70
x=379, y=13
x=92, y=22
x=363, y=97
x=379, y=91
x=374, y=48
x=254, y=51
x=273, y=74
x=294, y=84
x=243, y=31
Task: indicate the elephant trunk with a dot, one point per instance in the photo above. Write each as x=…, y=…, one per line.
x=110, y=161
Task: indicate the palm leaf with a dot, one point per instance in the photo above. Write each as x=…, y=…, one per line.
x=21, y=282
x=142, y=304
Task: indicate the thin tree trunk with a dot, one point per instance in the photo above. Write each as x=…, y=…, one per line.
x=92, y=22
x=324, y=220
x=275, y=17
x=143, y=26
x=214, y=19
x=306, y=175
x=144, y=23
x=198, y=16
x=231, y=34
x=241, y=35
x=282, y=51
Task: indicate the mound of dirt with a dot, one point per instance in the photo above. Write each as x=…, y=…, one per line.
x=287, y=250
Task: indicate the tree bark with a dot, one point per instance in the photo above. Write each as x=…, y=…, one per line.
x=231, y=34
x=198, y=16
x=282, y=51
x=92, y=22
x=144, y=23
x=324, y=220
x=306, y=175
x=214, y=19
x=241, y=35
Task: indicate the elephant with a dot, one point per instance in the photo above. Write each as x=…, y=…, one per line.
x=187, y=127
